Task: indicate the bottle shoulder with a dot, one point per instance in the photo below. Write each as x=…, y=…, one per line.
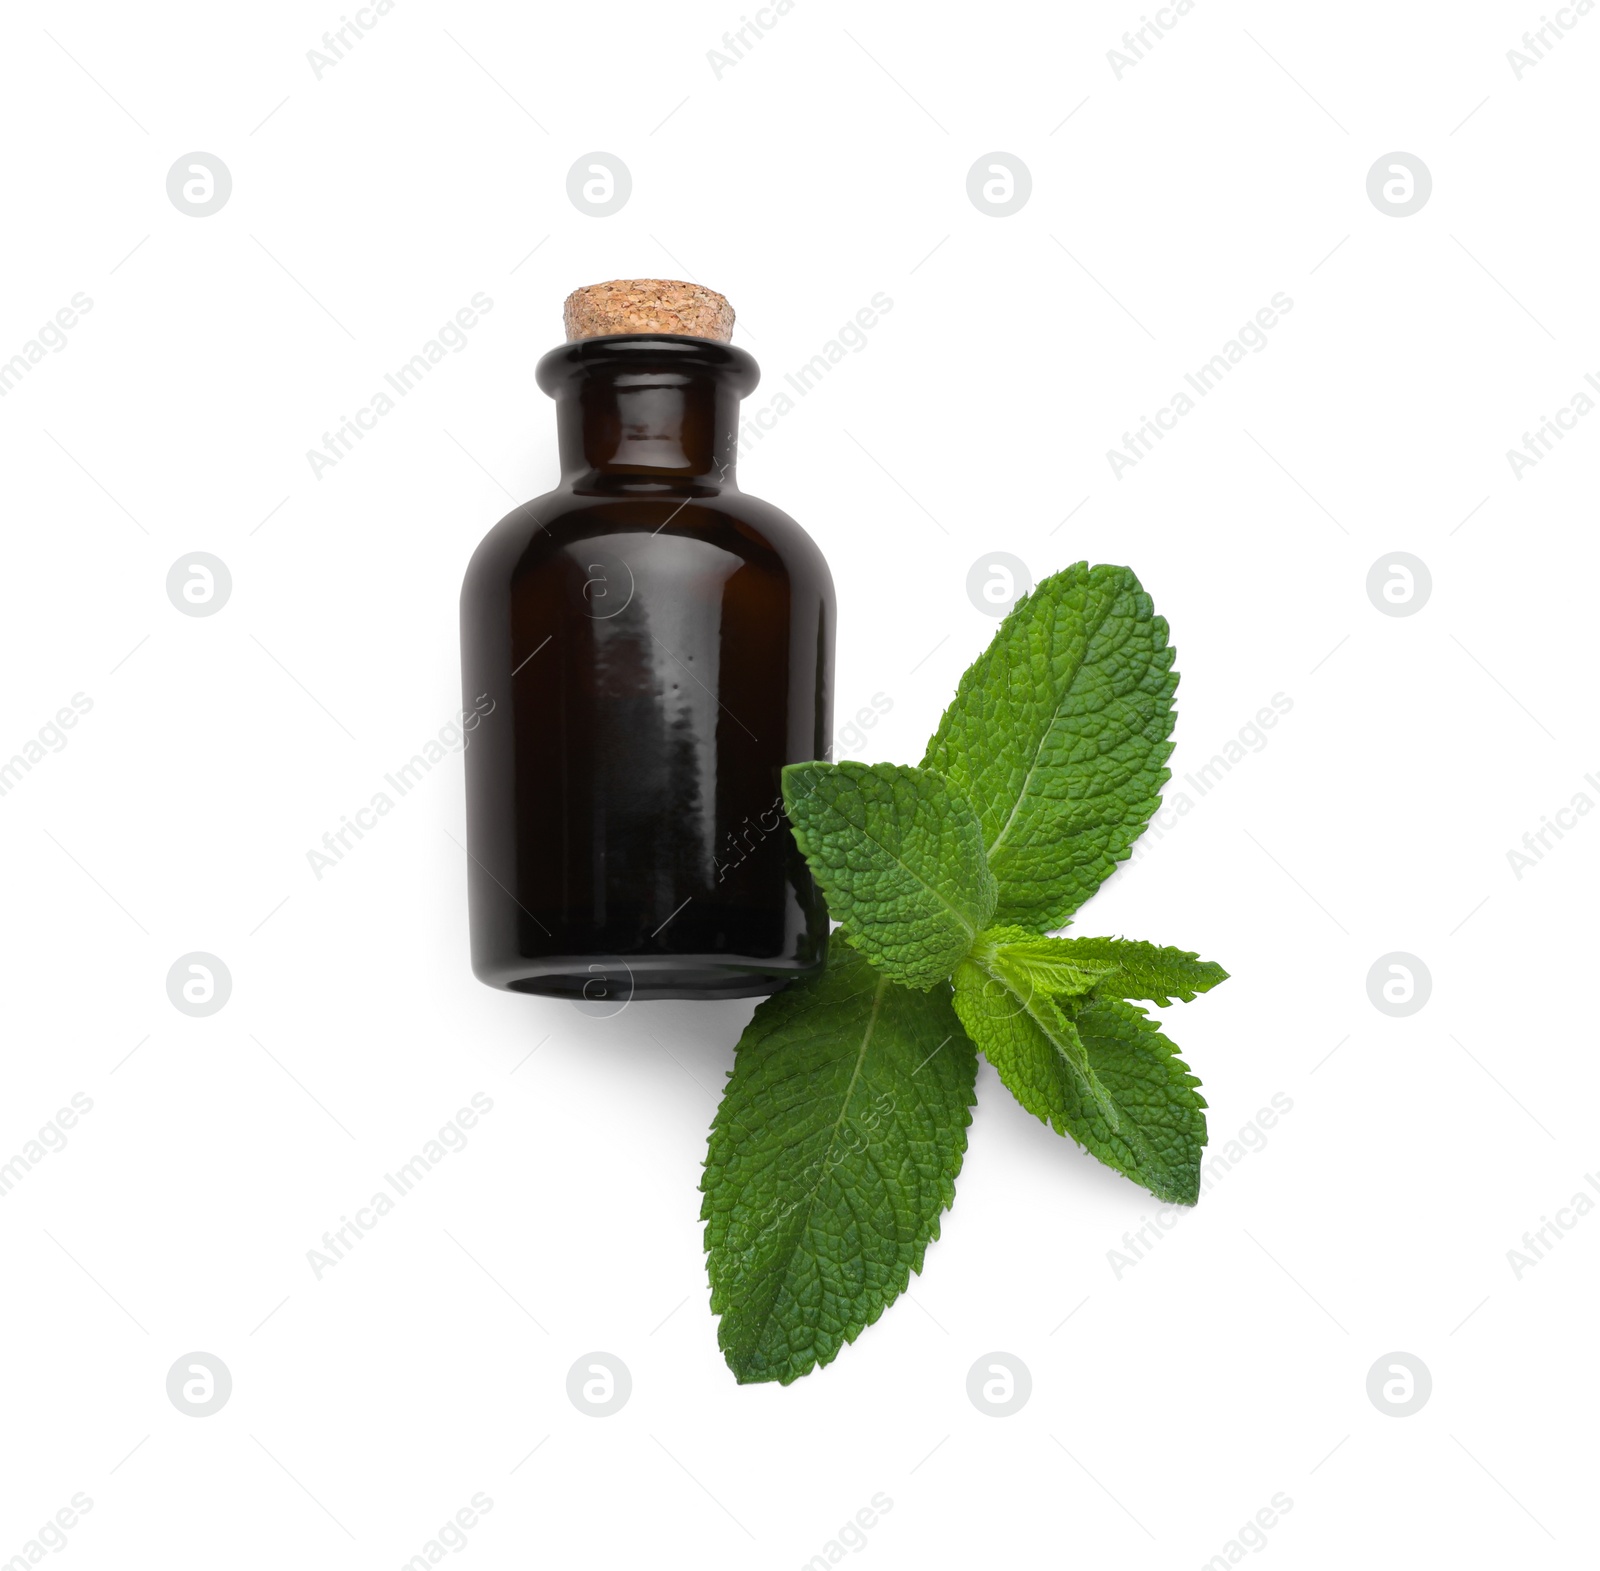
x=553, y=525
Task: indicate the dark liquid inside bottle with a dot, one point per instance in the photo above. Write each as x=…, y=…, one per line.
x=646, y=647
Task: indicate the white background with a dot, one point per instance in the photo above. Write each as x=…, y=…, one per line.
x=1169, y=1404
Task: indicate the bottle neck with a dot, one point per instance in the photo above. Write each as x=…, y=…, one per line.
x=647, y=412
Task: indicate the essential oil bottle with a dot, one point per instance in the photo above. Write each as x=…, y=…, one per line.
x=647, y=647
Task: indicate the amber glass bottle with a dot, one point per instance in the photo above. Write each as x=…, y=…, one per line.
x=647, y=647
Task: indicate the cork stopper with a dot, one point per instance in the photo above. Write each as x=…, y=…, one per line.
x=647, y=305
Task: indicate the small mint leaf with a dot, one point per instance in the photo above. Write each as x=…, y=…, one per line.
x=1016, y=1023
x=1094, y=1068
x=1058, y=736
x=899, y=856
x=1046, y=965
x=834, y=1152
x=1162, y=1131
x=1144, y=970
x=1118, y=967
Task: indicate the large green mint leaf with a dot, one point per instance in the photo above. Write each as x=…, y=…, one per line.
x=1158, y=1130
x=1117, y=967
x=899, y=855
x=835, y=1149
x=1058, y=736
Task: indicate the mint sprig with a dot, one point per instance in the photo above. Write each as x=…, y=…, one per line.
x=843, y=1126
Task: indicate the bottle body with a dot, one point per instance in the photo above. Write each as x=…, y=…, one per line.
x=647, y=647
